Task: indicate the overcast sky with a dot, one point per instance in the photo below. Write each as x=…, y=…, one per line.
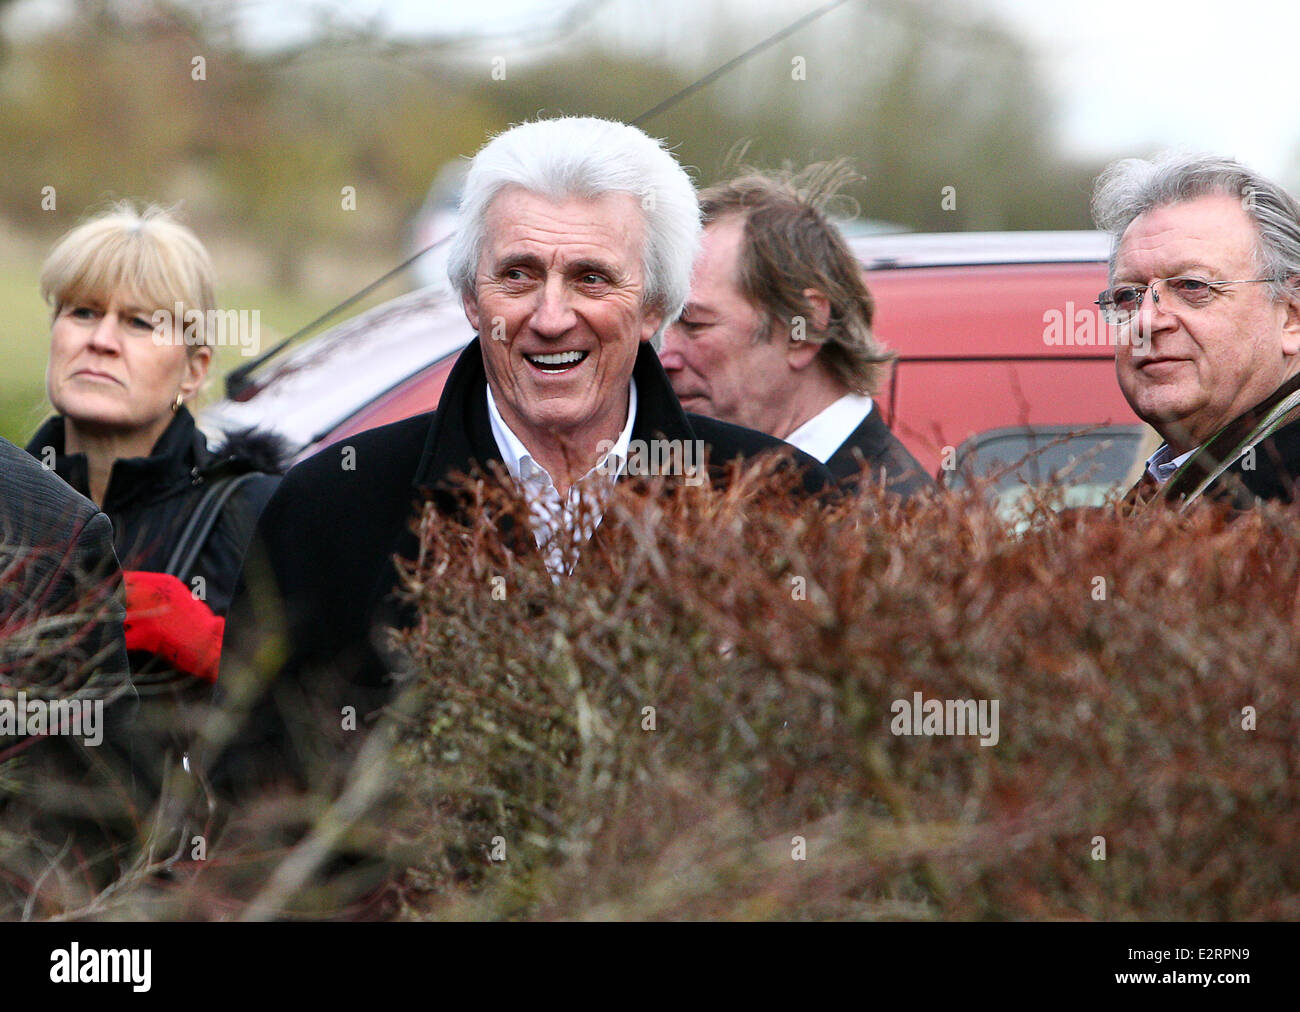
x=1215, y=76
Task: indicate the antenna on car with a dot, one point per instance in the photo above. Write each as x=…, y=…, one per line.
x=240, y=386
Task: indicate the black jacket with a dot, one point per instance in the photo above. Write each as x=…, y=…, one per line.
x=891, y=463
x=56, y=558
x=149, y=498
x=1269, y=473
x=315, y=593
x=60, y=641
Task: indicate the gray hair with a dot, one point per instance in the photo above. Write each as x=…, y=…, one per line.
x=586, y=157
x=1133, y=186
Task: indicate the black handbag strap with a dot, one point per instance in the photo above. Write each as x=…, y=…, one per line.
x=200, y=523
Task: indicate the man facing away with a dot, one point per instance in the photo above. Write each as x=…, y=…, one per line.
x=69, y=805
x=776, y=335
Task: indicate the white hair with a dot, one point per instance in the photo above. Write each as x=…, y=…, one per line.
x=1133, y=186
x=586, y=157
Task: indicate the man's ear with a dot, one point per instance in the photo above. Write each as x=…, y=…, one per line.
x=821, y=309
x=651, y=317
x=470, y=305
x=801, y=351
x=1291, y=324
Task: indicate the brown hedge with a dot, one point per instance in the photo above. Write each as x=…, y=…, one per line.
x=772, y=636
x=771, y=639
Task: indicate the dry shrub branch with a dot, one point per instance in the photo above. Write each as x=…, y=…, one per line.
x=697, y=722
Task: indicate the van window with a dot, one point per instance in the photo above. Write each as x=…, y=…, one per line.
x=1091, y=462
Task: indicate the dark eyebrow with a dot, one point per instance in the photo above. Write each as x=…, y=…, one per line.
x=695, y=310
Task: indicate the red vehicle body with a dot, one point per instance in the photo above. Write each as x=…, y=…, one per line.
x=973, y=354
x=997, y=334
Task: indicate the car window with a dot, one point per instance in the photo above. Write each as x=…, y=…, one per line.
x=1092, y=462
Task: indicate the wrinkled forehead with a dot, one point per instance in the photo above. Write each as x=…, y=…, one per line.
x=612, y=219
x=722, y=247
x=1211, y=234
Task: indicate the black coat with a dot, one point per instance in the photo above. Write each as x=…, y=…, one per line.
x=316, y=590
x=1270, y=474
x=891, y=463
x=56, y=558
x=56, y=561
x=149, y=498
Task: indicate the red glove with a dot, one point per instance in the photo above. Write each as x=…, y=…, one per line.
x=164, y=618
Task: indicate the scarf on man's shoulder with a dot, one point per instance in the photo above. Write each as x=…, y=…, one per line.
x=1211, y=461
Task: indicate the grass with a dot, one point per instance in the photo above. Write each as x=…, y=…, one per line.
x=23, y=404
x=22, y=380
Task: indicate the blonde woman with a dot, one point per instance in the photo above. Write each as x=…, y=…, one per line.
x=130, y=291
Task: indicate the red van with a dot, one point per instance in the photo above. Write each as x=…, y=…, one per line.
x=1002, y=354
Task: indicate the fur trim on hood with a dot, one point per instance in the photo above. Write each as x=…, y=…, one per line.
x=252, y=450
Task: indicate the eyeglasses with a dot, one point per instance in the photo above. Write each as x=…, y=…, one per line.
x=1121, y=303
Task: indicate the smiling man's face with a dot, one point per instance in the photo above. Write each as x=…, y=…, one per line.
x=1204, y=366
x=559, y=309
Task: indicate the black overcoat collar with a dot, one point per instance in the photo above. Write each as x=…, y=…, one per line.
x=872, y=438
x=168, y=469
x=460, y=437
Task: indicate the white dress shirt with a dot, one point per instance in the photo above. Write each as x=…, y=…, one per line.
x=825, y=432
x=547, y=511
x=1161, y=466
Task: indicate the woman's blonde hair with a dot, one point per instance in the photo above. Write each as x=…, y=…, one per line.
x=147, y=256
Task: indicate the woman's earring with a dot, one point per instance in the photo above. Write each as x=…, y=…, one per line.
x=176, y=404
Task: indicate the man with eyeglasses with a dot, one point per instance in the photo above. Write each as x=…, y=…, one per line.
x=1205, y=296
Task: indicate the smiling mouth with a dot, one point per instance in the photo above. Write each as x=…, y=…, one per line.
x=557, y=362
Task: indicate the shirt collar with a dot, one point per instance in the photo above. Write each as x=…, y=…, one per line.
x=1162, y=466
x=525, y=469
x=826, y=431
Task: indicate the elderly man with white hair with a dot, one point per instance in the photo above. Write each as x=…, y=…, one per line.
x=574, y=252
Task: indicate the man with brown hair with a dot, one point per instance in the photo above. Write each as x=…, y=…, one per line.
x=776, y=335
